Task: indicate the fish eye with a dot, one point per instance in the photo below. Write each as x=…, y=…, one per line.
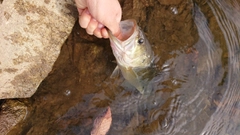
x=140, y=41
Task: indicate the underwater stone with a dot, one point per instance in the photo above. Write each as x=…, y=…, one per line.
x=170, y=2
x=12, y=112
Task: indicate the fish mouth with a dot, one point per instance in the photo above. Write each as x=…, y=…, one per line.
x=127, y=29
x=122, y=45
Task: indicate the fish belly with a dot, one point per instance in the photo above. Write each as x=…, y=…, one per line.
x=137, y=77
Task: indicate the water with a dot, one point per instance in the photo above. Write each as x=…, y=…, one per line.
x=197, y=43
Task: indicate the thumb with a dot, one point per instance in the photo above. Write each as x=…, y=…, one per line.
x=115, y=29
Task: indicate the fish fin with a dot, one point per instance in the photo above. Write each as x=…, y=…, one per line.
x=155, y=59
x=127, y=85
x=145, y=78
x=139, y=72
x=115, y=73
x=114, y=61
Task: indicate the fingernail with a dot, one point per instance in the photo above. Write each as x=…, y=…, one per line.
x=100, y=26
x=94, y=19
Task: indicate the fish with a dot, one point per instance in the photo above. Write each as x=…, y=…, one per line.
x=102, y=123
x=134, y=55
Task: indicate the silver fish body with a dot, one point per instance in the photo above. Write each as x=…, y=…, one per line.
x=133, y=54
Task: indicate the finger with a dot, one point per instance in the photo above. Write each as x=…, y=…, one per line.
x=97, y=33
x=115, y=28
x=80, y=11
x=81, y=4
x=117, y=33
x=84, y=19
x=104, y=33
x=100, y=26
x=91, y=26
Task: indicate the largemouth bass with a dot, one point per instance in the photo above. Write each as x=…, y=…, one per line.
x=133, y=54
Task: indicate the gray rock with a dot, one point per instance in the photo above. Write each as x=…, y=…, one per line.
x=31, y=36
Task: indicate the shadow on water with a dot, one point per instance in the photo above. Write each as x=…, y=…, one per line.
x=198, y=93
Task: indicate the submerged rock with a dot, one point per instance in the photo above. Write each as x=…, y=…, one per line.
x=169, y=2
x=102, y=123
x=12, y=112
x=31, y=36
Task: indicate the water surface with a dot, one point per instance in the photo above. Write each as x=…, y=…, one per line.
x=197, y=92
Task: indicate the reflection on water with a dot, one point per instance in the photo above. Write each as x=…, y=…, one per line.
x=198, y=92
x=226, y=120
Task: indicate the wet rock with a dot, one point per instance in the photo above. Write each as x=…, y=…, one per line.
x=32, y=33
x=90, y=56
x=12, y=112
x=168, y=27
x=170, y=2
x=102, y=123
x=148, y=3
x=83, y=64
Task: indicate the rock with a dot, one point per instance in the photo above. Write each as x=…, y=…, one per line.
x=31, y=36
x=83, y=64
x=170, y=2
x=12, y=112
x=167, y=26
x=102, y=123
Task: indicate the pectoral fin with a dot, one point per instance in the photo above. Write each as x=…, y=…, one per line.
x=115, y=73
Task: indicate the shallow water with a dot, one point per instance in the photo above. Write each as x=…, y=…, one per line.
x=197, y=91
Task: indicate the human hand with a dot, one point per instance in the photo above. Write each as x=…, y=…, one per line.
x=94, y=15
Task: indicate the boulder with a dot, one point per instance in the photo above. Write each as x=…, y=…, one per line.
x=12, y=112
x=31, y=36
